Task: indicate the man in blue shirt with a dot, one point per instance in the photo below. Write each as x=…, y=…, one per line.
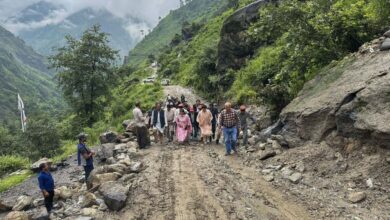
x=85, y=155
x=46, y=184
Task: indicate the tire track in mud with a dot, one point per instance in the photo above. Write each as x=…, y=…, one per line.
x=194, y=201
x=166, y=185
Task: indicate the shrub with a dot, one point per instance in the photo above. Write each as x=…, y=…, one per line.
x=10, y=163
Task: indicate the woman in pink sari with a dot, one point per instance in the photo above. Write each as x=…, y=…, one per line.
x=183, y=127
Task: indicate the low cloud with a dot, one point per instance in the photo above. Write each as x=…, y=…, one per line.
x=147, y=11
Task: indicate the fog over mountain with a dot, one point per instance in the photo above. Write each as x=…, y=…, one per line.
x=40, y=23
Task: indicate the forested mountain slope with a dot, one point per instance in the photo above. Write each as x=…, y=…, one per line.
x=23, y=71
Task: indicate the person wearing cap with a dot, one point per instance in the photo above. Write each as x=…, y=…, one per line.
x=141, y=131
x=214, y=113
x=229, y=122
x=244, y=116
x=159, y=122
x=46, y=185
x=84, y=155
x=204, y=120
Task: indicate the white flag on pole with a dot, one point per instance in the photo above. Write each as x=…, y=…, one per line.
x=23, y=118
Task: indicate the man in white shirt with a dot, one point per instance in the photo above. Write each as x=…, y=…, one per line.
x=140, y=127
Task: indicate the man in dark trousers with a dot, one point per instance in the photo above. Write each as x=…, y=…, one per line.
x=46, y=184
x=214, y=113
x=84, y=155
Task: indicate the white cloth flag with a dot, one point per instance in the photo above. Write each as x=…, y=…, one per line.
x=23, y=118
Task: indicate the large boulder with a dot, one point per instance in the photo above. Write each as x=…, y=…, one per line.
x=35, y=166
x=6, y=205
x=114, y=195
x=105, y=151
x=349, y=100
x=108, y=137
x=16, y=215
x=22, y=203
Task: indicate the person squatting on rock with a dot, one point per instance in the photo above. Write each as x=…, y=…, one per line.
x=46, y=184
x=84, y=155
x=244, y=115
x=141, y=131
x=204, y=120
x=159, y=122
x=170, y=117
x=230, y=124
x=183, y=127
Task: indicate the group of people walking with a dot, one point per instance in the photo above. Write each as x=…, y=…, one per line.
x=181, y=122
x=178, y=121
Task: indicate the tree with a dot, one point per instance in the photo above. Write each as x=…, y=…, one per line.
x=86, y=73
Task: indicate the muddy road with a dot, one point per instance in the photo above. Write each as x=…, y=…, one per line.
x=199, y=182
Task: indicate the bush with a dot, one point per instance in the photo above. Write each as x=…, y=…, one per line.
x=10, y=163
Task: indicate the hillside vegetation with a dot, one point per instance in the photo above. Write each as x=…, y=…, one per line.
x=24, y=71
x=289, y=43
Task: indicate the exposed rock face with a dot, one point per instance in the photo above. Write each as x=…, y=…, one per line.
x=234, y=46
x=351, y=101
x=114, y=194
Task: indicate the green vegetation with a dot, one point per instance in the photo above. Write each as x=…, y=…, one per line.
x=23, y=71
x=86, y=74
x=293, y=41
x=13, y=180
x=12, y=163
x=196, y=11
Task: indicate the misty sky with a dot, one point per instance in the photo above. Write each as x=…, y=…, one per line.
x=146, y=10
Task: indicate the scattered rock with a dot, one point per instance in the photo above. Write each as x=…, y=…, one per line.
x=6, y=205
x=385, y=45
x=300, y=167
x=87, y=200
x=369, y=183
x=22, y=203
x=17, y=215
x=136, y=167
x=89, y=212
x=105, y=177
x=64, y=193
x=38, y=202
x=262, y=146
x=35, y=166
x=295, y=177
x=108, y=137
x=280, y=139
x=269, y=178
x=387, y=34
x=267, y=154
x=357, y=197
x=125, y=140
x=286, y=172
x=106, y=151
x=114, y=194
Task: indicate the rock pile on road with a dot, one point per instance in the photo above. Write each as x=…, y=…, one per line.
x=108, y=188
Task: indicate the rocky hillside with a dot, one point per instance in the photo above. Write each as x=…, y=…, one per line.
x=346, y=104
x=23, y=71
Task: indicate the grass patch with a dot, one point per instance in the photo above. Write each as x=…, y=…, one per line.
x=10, y=181
x=10, y=163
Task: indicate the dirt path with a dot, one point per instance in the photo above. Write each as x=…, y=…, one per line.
x=193, y=182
